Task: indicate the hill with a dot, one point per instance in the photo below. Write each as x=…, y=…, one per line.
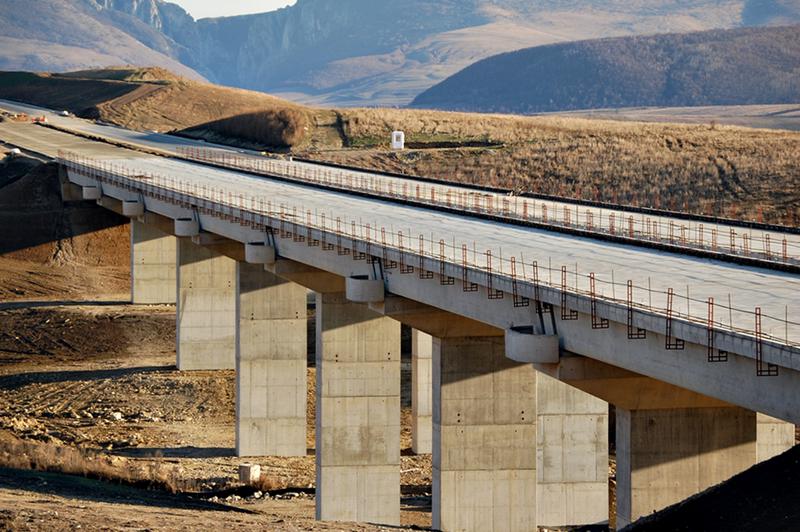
x=156, y=99
x=733, y=67
x=65, y=35
x=339, y=52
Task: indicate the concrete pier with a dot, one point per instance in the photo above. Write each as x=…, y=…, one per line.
x=153, y=270
x=667, y=455
x=484, y=437
x=571, y=455
x=206, y=308
x=271, y=362
x=421, y=392
x=358, y=413
x=774, y=437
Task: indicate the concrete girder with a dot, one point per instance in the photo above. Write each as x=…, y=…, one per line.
x=623, y=388
x=431, y=320
x=312, y=278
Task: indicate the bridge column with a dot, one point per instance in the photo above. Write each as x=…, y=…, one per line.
x=774, y=437
x=667, y=455
x=484, y=437
x=421, y=392
x=358, y=413
x=572, y=455
x=153, y=268
x=206, y=308
x=270, y=364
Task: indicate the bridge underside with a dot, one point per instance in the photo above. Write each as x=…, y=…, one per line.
x=515, y=445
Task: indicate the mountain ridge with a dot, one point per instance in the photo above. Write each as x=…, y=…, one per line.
x=719, y=67
x=352, y=52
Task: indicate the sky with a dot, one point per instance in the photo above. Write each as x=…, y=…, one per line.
x=215, y=8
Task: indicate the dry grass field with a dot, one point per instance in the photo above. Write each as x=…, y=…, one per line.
x=722, y=170
x=699, y=168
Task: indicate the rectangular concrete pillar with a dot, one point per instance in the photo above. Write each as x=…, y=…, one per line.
x=665, y=456
x=206, y=308
x=774, y=437
x=484, y=438
x=358, y=413
x=153, y=268
x=571, y=455
x=271, y=347
x=421, y=392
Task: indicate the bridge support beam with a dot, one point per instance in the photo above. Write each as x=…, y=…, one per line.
x=571, y=455
x=667, y=455
x=358, y=413
x=421, y=392
x=271, y=364
x=484, y=437
x=206, y=308
x=153, y=268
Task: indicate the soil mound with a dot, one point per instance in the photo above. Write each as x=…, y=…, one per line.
x=765, y=497
x=51, y=248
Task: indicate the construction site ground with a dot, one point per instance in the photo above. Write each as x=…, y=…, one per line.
x=102, y=377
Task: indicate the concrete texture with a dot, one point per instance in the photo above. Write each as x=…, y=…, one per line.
x=484, y=437
x=774, y=437
x=153, y=269
x=206, y=308
x=358, y=413
x=665, y=456
x=271, y=347
x=571, y=455
x=421, y=392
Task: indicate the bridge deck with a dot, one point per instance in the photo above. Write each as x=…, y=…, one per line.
x=653, y=272
x=775, y=292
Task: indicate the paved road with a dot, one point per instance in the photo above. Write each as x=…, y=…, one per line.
x=777, y=293
x=703, y=278
x=776, y=245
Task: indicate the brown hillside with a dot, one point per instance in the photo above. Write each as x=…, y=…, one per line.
x=705, y=169
x=49, y=248
x=156, y=99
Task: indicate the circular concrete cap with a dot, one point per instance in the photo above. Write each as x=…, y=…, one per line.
x=187, y=227
x=259, y=253
x=91, y=193
x=362, y=289
x=132, y=208
x=522, y=345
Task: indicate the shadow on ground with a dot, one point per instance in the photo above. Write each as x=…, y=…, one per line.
x=13, y=382
x=93, y=490
x=177, y=452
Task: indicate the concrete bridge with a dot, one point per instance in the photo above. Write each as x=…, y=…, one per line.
x=522, y=336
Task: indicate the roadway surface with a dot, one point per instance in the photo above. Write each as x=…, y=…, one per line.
x=748, y=287
x=726, y=236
